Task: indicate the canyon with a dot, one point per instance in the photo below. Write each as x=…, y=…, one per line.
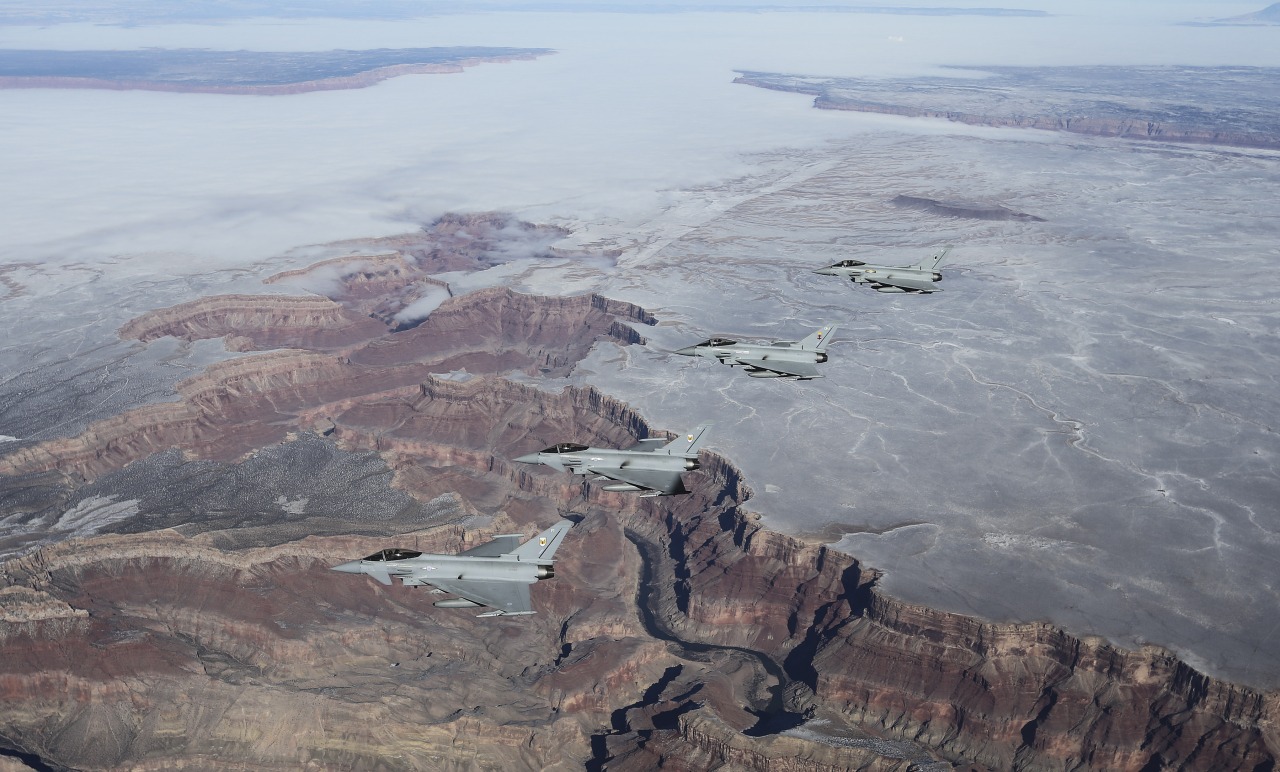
x=199, y=624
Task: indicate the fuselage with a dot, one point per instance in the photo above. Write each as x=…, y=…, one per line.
x=421, y=569
x=783, y=352
x=879, y=277
x=584, y=460
x=756, y=358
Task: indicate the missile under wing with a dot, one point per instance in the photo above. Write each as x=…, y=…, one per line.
x=652, y=465
x=917, y=279
x=496, y=574
x=797, y=360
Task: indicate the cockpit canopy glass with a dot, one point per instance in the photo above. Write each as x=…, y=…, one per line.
x=565, y=447
x=848, y=264
x=393, y=554
x=719, y=342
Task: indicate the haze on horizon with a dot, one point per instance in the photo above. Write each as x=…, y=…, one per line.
x=633, y=109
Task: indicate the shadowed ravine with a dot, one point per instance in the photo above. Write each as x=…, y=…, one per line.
x=185, y=611
x=769, y=708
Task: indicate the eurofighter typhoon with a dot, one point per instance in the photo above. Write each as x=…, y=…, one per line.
x=780, y=359
x=918, y=278
x=495, y=574
x=653, y=465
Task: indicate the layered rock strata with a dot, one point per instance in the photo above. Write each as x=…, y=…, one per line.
x=677, y=633
x=246, y=403
x=249, y=322
x=999, y=695
x=390, y=278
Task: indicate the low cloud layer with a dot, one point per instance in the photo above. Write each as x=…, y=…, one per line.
x=432, y=297
x=616, y=128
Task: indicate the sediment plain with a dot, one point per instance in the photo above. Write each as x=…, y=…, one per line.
x=184, y=613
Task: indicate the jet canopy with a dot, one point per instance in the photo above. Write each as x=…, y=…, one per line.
x=565, y=447
x=393, y=554
x=848, y=264
x=719, y=342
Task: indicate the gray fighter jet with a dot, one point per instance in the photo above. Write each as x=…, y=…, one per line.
x=495, y=574
x=780, y=359
x=918, y=278
x=653, y=465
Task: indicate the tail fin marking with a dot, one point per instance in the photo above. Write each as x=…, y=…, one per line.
x=686, y=444
x=543, y=546
x=819, y=340
x=935, y=261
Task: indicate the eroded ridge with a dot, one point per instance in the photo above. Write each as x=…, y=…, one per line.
x=242, y=404
x=180, y=620
x=750, y=625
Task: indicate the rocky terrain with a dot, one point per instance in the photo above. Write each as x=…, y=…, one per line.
x=237, y=72
x=184, y=614
x=962, y=209
x=1204, y=105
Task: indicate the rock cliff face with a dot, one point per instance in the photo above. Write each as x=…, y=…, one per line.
x=677, y=633
x=249, y=322
x=1004, y=696
x=242, y=404
x=173, y=648
x=390, y=278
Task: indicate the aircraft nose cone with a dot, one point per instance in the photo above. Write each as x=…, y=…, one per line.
x=687, y=351
x=825, y=271
x=528, y=458
x=352, y=567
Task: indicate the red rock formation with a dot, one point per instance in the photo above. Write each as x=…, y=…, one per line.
x=379, y=286
x=237, y=406
x=469, y=331
x=1005, y=696
x=1026, y=696
x=257, y=322
x=390, y=274
x=153, y=650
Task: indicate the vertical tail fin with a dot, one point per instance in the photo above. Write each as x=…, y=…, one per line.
x=686, y=444
x=819, y=340
x=544, y=545
x=935, y=261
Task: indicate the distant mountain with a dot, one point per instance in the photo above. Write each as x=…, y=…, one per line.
x=1268, y=15
x=238, y=72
